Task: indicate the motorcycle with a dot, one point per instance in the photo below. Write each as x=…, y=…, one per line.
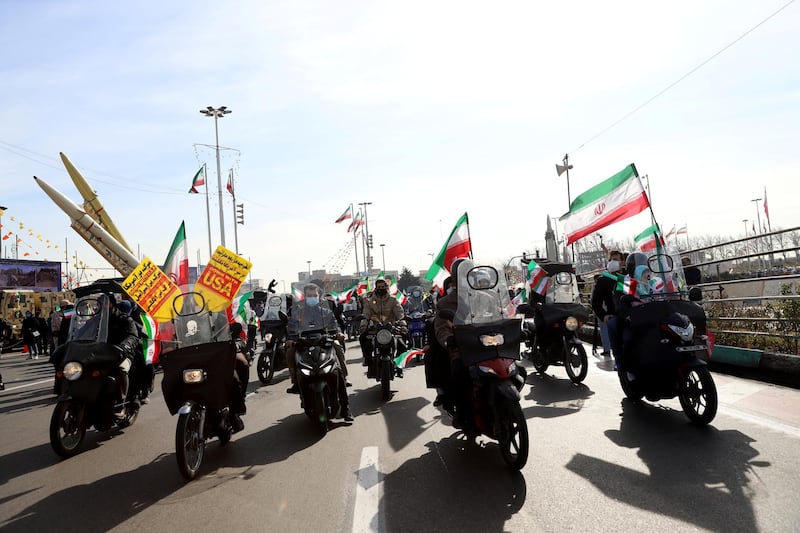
x=417, y=331
x=553, y=321
x=667, y=332
x=489, y=344
x=351, y=323
x=319, y=376
x=87, y=374
x=273, y=356
x=198, y=383
x=384, y=340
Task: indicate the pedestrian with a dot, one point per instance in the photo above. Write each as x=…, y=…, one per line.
x=42, y=341
x=30, y=331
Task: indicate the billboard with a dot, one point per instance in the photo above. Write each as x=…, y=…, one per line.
x=38, y=276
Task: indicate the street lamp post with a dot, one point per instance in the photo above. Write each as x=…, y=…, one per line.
x=365, y=235
x=218, y=113
x=2, y=210
x=309, y=270
x=383, y=257
x=758, y=244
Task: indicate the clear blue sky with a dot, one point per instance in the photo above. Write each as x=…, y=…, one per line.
x=425, y=109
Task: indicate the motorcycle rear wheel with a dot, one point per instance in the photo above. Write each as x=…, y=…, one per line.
x=537, y=357
x=131, y=414
x=386, y=380
x=514, y=436
x=698, y=396
x=265, y=368
x=576, y=363
x=631, y=392
x=189, y=444
x=67, y=428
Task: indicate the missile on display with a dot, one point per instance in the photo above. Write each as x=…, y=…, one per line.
x=91, y=202
x=94, y=234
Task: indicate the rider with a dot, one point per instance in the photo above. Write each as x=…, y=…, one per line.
x=618, y=333
x=242, y=374
x=378, y=307
x=123, y=334
x=460, y=383
x=305, y=311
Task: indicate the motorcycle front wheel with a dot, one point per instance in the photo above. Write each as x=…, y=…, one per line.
x=265, y=368
x=631, y=392
x=576, y=363
x=131, y=414
x=698, y=396
x=321, y=412
x=189, y=444
x=67, y=428
x=386, y=380
x=538, y=359
x=514, y=436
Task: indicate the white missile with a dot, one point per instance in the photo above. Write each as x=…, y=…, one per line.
x=94, y=234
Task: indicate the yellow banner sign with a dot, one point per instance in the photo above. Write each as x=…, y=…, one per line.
x=152, y=290
x=222, y=277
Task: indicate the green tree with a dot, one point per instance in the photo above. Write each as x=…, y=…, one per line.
x=407, y=279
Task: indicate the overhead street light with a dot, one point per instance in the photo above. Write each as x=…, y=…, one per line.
x=218, y=113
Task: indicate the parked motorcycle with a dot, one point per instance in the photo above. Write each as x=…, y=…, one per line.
x=666, y=334
x=384, y=337
x=553, y=321
x=88, y=373
x=489, y=345
x=199, y=384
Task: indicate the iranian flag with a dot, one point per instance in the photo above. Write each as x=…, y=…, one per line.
x=538, y=279
x=356, y=222
x=239, y=307
x=151, y=346
x=400, y=297
x=229, y=186
x=198, y=180
x=406, y=357
x=617, y=198
x=516, y=301
x=363, y=286
x=348, y=213
x=646, y=240
x=297, y=294
x=176, y=265
x=346, y=296
x=458, y=246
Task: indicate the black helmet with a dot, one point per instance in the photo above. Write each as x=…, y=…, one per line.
x=635, y=259
x=454, y=267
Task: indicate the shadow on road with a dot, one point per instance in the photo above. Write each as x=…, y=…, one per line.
x=467, y=488
x=23, y=400
x=697, y=475
x=554, y=396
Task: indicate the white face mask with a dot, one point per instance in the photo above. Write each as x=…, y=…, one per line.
x=451, y=289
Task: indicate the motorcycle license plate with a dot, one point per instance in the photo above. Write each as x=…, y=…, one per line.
x=691, y=348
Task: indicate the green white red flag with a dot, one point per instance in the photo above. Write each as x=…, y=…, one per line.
x=458, y=246
x=406, y=357
x=538, y=280
x=363, y=285
x=297, y=294
x=198, y=180
x=176, y=265
x=348, y=213
x=151, y=346
x=356, y=222
x=239, y=307
x=617, y=198
x=646, y=240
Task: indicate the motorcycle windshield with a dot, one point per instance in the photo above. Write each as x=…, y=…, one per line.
x=416, y=302
x=195, y=324
x=307, y=318
x=276, y=304
x=482, y=294
x=563, y=289
x=90, y=321
x=662, y=278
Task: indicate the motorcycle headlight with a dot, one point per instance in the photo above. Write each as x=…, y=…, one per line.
x=73, y=370
x=686, y=334
x=194, y=375
x=306, y=371
x=571, y=323
x=384, y=336
x=492, y=340
x=328, y=367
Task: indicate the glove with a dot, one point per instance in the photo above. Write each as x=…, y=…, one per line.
x=450, y=342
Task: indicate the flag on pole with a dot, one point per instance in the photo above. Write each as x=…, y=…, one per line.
x=347, y=295
x=198, y=180
x=400, y=297
x=766, y=209
x=646, y=240
x=538, y=280
x=229, y=186
x=348, y=213
x=363, y=285
x=356, y=222
x=683, y=230
x=617, y=198
x=458, y=246
x=239, y=307
x=671, y=233
x=176, y=266
x=406, y=357
x=516, y=301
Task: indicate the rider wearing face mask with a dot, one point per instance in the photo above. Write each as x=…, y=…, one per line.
x=378, y=307
x=311, y=310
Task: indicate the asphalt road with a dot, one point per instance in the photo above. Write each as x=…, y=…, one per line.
x=597, y=463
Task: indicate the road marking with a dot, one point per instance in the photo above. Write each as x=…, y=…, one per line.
x=369, y=490
x=8, y=389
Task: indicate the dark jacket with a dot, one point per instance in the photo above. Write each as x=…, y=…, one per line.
x=603, y=296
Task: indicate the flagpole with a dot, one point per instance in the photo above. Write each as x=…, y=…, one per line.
x=469, y=237
x=233, y=194
x=208, y=209
x=355, y=243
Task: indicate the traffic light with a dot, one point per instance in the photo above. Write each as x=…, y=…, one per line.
x=369, y=243
x=369, y=259
x=240, y=214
